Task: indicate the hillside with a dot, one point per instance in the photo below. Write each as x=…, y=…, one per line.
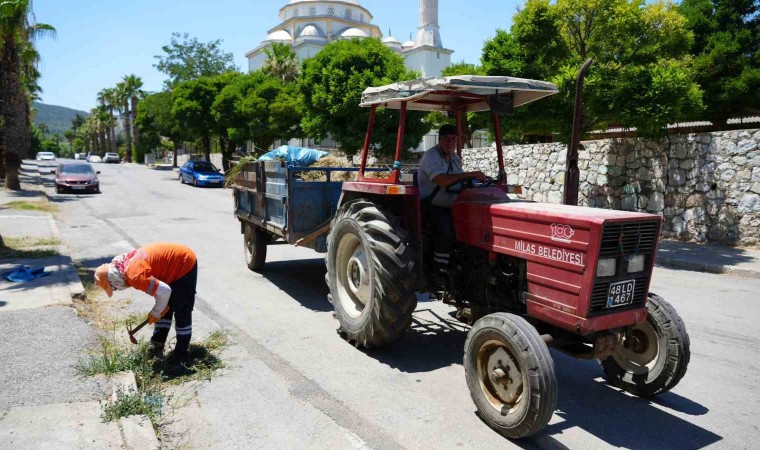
x=56, y=118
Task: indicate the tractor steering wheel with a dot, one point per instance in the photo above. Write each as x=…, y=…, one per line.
x=470, y=183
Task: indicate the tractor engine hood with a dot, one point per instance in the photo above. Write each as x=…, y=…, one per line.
x=560, y=245
x=487, y=218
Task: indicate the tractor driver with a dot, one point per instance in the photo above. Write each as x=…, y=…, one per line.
x=439, y=179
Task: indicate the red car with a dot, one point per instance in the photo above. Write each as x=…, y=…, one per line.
x=76, y=177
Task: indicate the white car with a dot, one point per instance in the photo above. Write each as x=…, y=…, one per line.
x=111, y=158
x=94, y=159
x=45, y=156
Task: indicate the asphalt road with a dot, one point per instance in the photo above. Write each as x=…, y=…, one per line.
x=294, y=383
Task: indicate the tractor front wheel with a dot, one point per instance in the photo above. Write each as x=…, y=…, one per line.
x=510, y=374
x=370, y=273
x=652, y=357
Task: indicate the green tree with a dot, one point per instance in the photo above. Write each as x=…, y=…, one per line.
x=189, y=59
x=133, y=91
x=331, y=84
x=18, y=30
x=641, y=75
x=110, y=99
x=155, y=119
x=470, y=121
x=726, y=53
x=281, y=62
x=192, y=107
x=123, y=94
x=258, y=107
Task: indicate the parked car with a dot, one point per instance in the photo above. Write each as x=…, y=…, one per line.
x=94, y=159
x=111, y=158
x=79, y=156
x=200, y=173
x=76, y=177
x=45, y=156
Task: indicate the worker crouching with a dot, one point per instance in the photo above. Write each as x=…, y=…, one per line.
x=168, y=272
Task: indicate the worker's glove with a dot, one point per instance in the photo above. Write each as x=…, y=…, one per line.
x=163, y=294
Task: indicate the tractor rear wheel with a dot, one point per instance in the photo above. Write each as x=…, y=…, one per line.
x=370, y=273
x=653, y=357
x=255, y=242
x=510, y=374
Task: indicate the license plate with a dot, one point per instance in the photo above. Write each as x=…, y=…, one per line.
x=621, y=293
x=78, y=188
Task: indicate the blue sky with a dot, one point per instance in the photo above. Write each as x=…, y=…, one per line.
x=98, y=43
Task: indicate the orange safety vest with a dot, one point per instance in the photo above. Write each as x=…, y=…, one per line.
x=163, y=261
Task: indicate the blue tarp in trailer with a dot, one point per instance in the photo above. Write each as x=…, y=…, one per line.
x=297, y=156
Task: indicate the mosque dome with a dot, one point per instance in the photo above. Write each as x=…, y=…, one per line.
x=392, y=42
x=293, y=2
x=354, y=33
x=310, y=31
x=408, y=44
x=279, y=35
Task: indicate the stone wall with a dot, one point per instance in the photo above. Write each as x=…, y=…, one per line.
x=216, y=159
x=706, y=186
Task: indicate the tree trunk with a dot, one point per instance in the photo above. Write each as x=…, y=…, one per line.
x=12, y=112
x=86, y=145
x=174, y=144
x=114, y=147
x=26, y=152
x=107, y=137
x=207, y=147
x=135, y=129
x=128, y=132
x=227, y=154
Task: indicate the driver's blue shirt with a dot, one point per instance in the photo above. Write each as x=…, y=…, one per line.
x=433, y=164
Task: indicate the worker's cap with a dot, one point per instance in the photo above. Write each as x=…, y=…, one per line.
x=101, y=279
x=447, y=130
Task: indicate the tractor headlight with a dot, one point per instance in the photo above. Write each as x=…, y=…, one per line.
x=636, y=264
x=606, y=267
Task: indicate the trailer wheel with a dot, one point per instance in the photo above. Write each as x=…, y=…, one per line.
x=370, y=273
x=510, y=374
x=654, y=356
x=255, y=242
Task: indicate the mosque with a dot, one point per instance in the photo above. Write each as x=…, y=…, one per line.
x=309, y=25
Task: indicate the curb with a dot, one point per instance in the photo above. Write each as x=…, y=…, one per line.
x=136, y=431
x=676, y=263
x=76, y=288
x=64, y=260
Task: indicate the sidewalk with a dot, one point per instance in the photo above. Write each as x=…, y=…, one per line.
x=709, y=258
x=43, y=401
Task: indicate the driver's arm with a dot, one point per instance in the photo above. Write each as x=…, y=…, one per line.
x=445, y=180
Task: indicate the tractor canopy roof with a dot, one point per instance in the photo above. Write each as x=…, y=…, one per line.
x=464, y=92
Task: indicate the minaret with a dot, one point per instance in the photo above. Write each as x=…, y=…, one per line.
x=427, y=32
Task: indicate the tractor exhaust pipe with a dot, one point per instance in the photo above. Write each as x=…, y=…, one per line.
x=572, y=175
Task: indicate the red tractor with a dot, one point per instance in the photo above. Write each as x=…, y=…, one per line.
x=526, y=275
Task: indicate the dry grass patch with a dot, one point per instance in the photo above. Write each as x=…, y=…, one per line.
x=24, y=205
x=28, y=248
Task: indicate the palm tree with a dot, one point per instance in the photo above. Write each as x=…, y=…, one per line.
x=102, y=104
x=123, y=100
x=17, y=28
x=111, y=101
x=133, y=86
x=281, y=62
